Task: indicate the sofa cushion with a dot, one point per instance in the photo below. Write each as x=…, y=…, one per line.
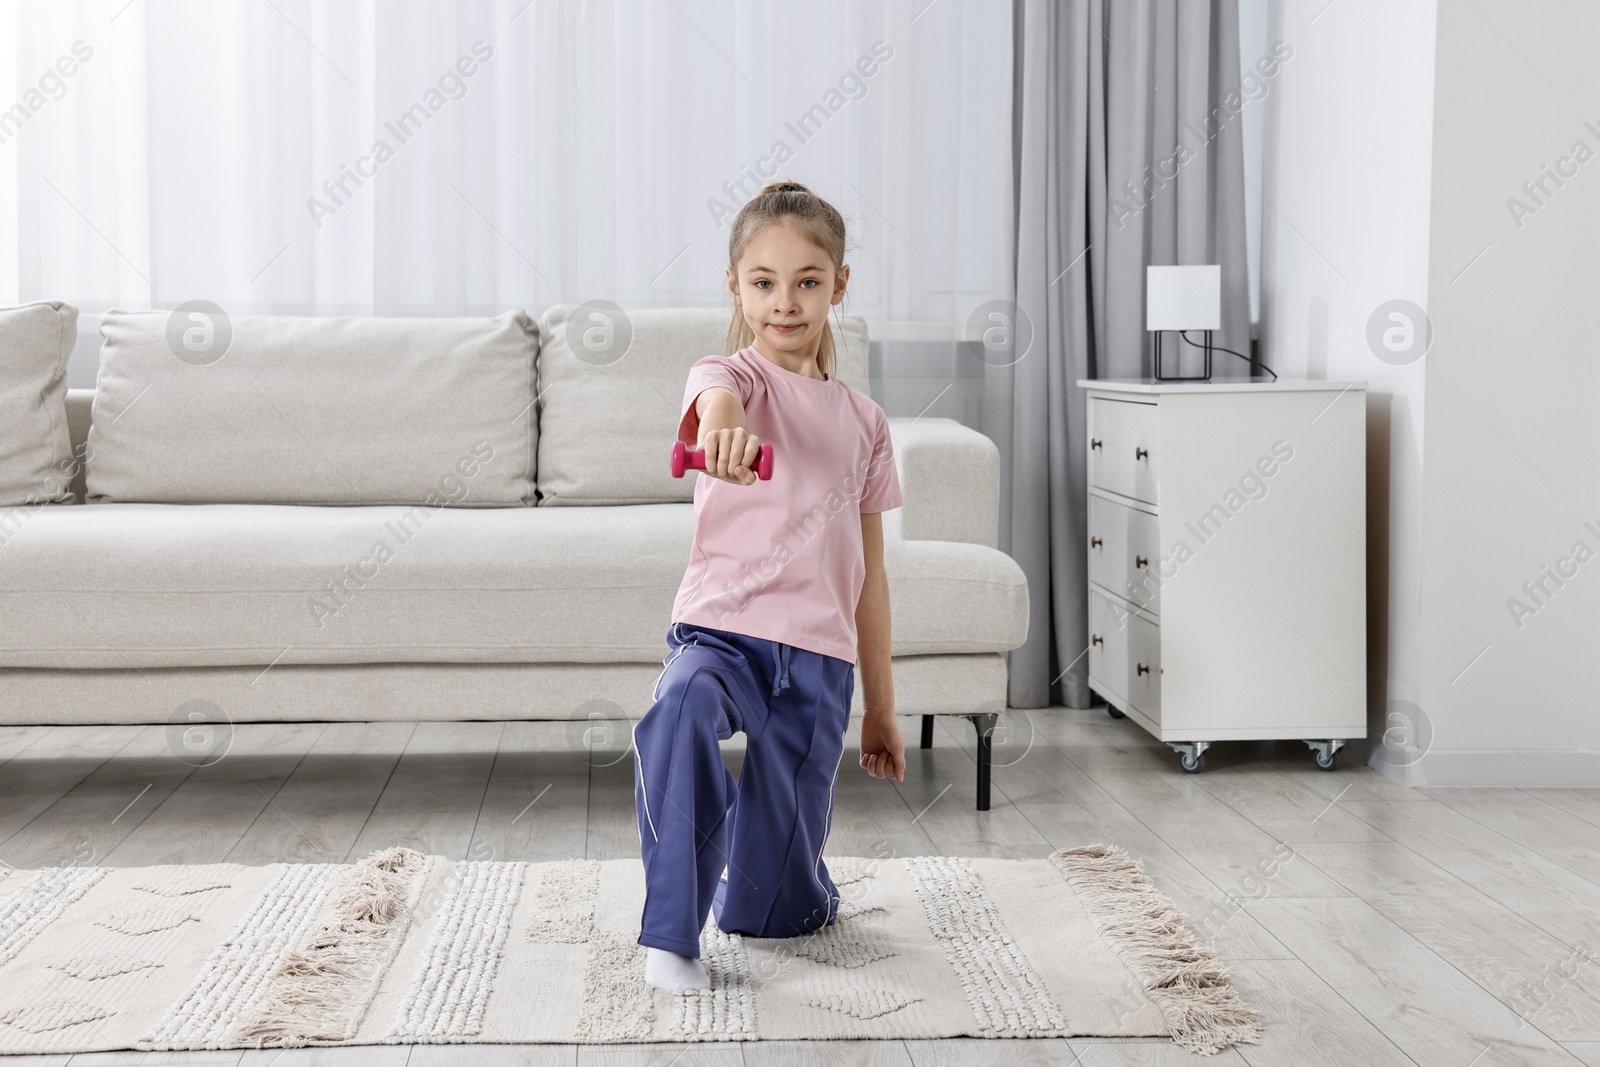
x=36, y=463
x=589, y=695
x=280, y=409
x=608, y=413
x=162, y=585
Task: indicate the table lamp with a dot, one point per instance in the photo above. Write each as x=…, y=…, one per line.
x=1183, y=298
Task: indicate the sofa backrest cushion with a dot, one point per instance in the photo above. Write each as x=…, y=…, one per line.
x=608, y=411
x=280, y=409
x=36, y=462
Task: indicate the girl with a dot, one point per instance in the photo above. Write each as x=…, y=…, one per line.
x=785, y=587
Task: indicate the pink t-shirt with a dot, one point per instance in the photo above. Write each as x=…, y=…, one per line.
x=782, y=559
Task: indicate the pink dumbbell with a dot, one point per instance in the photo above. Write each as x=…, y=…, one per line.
x=685, y=460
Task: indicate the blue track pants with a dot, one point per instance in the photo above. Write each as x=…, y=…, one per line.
x=767, y=828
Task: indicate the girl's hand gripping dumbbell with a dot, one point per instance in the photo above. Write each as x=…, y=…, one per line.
x=736, y=466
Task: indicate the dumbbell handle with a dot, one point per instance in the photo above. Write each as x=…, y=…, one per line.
x=683, y=459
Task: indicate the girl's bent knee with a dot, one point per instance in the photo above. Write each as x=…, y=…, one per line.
x=695, y=700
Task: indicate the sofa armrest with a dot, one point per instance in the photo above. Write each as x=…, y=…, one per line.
x=950, y=478
x=80, y=406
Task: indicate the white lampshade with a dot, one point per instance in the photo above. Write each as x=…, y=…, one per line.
x=1183, y=298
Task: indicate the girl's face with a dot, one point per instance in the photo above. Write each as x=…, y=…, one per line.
x=785, y=285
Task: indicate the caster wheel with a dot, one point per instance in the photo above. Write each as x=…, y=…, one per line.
x=1191, y=755
x=1114, y=713
x=1326, y=753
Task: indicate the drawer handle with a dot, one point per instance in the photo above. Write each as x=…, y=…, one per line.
x=1096, y=639
x=1094, y=542
x=1094, y=442
x=1140, y=561
x=1140, y=453
x=1143, y=669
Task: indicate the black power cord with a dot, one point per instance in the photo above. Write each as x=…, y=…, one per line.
x=1231, y=352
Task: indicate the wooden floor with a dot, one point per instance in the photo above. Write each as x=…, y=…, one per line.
x=1371, y=924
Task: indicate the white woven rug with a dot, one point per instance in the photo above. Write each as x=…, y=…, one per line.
x=403, y=947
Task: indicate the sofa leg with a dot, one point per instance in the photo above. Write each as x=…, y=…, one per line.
x=927, y=731
x=985, y=724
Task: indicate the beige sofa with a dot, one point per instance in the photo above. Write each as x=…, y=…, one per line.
x=224, y=553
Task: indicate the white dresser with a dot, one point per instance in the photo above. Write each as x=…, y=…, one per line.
x=1227, y=560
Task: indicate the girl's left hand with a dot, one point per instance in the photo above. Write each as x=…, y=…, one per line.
x=882, y=754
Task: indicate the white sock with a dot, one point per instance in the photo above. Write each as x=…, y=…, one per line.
x=673, y=972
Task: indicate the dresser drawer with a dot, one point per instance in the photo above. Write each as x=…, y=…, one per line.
x=1123, y=546
x=1124, y=655
x=1122, y=448
x=1108, y=647
x=1144, y=665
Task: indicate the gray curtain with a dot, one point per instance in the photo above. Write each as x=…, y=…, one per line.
x=1105, y=92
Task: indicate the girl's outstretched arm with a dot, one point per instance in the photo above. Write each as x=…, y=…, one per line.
x=882, y=753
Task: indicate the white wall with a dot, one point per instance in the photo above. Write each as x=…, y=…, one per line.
x=1346, y=229
x=1512, y=450
x=1397, y=138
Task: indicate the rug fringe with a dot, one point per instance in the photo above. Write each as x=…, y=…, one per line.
x=1182, y=976
x=309, y=995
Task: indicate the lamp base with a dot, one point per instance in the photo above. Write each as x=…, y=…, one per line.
x=1205, y=377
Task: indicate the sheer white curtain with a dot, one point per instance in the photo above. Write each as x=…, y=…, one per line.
x=427, y=158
